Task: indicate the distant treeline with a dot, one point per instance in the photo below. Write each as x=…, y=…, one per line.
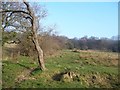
x=50, y=43
x=94, y=43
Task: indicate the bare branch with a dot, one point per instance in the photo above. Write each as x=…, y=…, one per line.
x=29, y=9
x=13, y=11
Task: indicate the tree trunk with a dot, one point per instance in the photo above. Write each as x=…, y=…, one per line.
x=38, y=48
x=35, y=37
x=40, y=54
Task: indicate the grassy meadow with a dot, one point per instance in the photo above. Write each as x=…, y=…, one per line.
x=66, y=69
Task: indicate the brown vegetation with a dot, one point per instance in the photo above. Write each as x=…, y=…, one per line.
x=101, y=57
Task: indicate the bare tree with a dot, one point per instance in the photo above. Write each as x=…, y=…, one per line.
x=27, y=14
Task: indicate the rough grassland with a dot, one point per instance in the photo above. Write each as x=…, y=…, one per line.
x=87, y=68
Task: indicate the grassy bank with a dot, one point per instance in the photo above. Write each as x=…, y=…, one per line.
x=87, y=68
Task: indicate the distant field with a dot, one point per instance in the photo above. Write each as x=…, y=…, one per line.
x=68, y=69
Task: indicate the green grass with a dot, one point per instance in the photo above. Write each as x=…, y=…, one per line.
x=66, y=60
